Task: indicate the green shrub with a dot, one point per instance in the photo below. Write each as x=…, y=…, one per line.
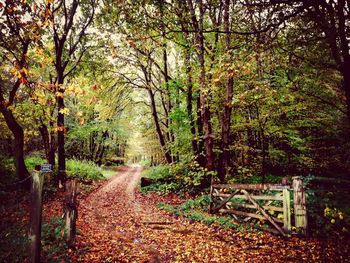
x=32, y=161
x=7, y=168
x=163, y=180
x=191, y=175
x=84, y=169
x=53, y=233
x=255, y=179
x=178, y=177
x=161, y=188
x=14, y=243
x=159, y=173
x=201, y=203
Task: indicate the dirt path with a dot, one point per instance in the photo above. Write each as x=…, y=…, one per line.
x=117, y=224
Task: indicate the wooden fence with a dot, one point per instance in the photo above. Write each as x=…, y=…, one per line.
x=264, y=202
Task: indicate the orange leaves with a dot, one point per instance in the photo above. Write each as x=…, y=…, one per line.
x=59, y=129
x=94, y=87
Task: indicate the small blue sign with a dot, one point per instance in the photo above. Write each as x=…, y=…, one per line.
x=46, y=168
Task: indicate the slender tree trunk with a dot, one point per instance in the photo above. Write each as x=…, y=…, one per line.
x=52, y=143
x=208, y=133
x=189, y=100
x=167, y=155
x=61, y=132
x=46, y=140
x=17, y=131
x=346, y=88
x=49, y=143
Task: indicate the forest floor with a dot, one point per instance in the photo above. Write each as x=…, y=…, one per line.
x=118, y=224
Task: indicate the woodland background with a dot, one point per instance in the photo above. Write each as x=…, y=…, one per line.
x=239, y=91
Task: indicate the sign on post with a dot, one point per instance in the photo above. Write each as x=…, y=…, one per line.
x=46, y=168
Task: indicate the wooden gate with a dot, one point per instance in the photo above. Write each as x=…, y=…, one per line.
x=270, y=202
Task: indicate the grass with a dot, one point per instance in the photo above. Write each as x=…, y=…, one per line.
x=84, y=170
x=108, y=172
x=163, y=181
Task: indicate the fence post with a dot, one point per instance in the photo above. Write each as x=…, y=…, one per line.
x=287, y=226
x=71, y=211
x=35, y=215
x=299, y=206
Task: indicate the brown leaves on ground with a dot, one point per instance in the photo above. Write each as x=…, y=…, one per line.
x=119, y=225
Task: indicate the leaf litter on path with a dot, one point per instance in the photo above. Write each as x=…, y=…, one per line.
x=118, y=224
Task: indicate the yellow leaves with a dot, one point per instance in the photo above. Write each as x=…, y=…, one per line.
x=59, y=94
x=80, y=115
x=217, y=80
x=19, y=74
x=64, y=111
x=333, y=221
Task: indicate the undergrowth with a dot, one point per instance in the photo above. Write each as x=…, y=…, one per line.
x=197, y=210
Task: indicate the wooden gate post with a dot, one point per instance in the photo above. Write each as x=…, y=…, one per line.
x=287, y=226
x=300, y=214
x=71, y=211
x=35, y=215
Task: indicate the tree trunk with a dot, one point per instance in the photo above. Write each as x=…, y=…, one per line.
x=60, y=134
x=189, y=100
x=346, y=87
x=226, y=118
x=17, y=131
x=49, y=143
x=166, y=152
x=208, y=133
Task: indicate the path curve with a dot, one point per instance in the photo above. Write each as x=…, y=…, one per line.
x=118, y=224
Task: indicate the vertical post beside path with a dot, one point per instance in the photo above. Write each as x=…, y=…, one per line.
x=299, y=206
x=71, y=211
x=35, y=215
x=287, y=225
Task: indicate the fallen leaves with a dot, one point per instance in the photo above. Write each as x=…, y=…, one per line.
x=117, y=224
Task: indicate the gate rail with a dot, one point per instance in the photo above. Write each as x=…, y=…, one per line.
x=247, y=200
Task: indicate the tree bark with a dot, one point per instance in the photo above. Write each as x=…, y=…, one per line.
x=226, y=118
x=189, y=100
x=17, y=131
x=61, y=131
x=208, y=133
x=167, y=155
x=49, y=144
